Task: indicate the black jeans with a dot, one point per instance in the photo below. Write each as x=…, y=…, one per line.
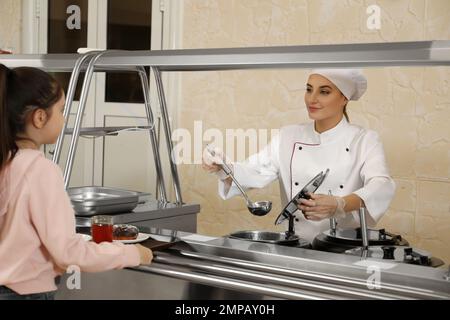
x=8, y=294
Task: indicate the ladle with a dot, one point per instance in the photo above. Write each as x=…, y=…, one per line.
x=259, y=208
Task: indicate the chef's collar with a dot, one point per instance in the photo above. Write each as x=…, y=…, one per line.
x=331, y=134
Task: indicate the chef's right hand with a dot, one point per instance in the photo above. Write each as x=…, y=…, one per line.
x=145, y=253
x=213, y=163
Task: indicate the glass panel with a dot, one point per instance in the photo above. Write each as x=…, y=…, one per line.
x=129, y=28
x=67, y=25
x=67, y=31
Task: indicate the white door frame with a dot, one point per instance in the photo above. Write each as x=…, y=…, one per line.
x=34, y=40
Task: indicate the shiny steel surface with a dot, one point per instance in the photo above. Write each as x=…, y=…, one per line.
x=259, y=208
x=101, y=194
x=290, y=209
x=107, y=131
x=84, y=210
x=276, y=278
x=374, y=236
x=414, y=53
x=399, y=255
x=399, y=281
x=168, y=135
x=364, y=234
x=79, y=117
x=151, y=211
x=224, y=268
x=161, y=185
x=266, y=236
x=101, y=200
x=377, y=252
x=69, y=100
x=224, y=281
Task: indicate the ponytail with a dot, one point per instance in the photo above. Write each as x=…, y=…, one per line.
x=7, y=144
x=22, y=90
x=346, y=114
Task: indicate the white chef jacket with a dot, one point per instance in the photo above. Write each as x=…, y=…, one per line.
x=354, y=155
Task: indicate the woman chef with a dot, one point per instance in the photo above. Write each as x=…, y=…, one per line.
x=358, y=173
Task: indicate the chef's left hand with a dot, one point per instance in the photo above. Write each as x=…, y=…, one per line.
x=319, y=207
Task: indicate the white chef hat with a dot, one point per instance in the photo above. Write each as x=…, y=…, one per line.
x=351, y=82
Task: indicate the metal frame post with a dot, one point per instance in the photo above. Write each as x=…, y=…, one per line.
x=156, y=155
x=167, y=130
x=69, y=100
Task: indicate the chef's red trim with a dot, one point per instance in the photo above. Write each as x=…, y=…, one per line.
x=292, y=156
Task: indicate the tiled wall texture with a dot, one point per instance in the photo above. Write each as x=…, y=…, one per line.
x=10, y=26
x=408, y=106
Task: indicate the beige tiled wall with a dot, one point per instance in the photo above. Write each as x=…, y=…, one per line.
x=10, y=26
x=409, y=107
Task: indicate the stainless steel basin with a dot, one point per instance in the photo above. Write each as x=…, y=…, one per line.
x=266, y=236
x=102, y=200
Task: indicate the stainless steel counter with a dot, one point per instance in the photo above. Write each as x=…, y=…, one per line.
x=223, y=268
x=413, y=53
x=153, y=213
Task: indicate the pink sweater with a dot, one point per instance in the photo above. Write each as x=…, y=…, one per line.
x=37, y=229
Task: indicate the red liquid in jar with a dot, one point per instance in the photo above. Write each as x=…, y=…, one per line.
x=102, y=232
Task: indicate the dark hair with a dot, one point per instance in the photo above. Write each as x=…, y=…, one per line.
x=346, y=114
x=22, y=90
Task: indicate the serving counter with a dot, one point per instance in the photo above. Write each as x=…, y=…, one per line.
x=199, y=267
x=153, y=213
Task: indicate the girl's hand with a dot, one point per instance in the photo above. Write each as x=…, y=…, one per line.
x=145, y=253
x=319, y=207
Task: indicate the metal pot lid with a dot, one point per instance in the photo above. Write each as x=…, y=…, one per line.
x=311, y=187
x=266, y=236
x=353, y=236
x=399, y=254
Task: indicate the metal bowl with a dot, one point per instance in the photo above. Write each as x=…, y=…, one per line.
x=260, y=208
x=90, y=200
x=345, y=239
x=399, y=254
x=266, y=236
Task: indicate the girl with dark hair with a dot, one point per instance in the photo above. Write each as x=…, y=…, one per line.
x=37, y=223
